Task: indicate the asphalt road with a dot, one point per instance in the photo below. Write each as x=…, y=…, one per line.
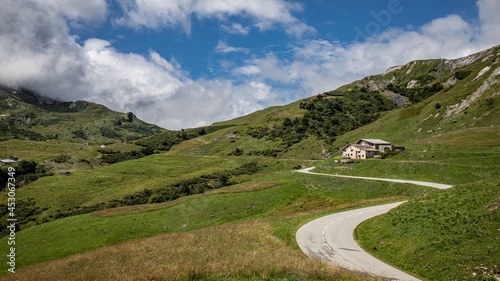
x=330, y=238
x=422, y=183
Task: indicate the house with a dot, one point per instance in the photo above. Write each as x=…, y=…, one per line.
x=369, y=148
x=379, y=145
x=358, y=151
x=12, y=161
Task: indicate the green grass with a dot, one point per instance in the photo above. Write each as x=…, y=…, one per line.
x=85, y=188
x=441, y=164
x=64, y=237
x=442, y=234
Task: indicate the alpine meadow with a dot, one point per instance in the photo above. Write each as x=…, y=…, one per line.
x=103, y=195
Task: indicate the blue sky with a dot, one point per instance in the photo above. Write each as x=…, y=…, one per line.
x=189, y=63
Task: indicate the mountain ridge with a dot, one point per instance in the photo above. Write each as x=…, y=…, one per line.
x=26, y=114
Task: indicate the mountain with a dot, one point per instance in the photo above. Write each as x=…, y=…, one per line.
x=419, y=100
x=26, y=114
x=233, y=180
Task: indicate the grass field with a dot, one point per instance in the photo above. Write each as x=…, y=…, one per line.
x=442, y=234
x=246, y=231
x=438, y=163
x=256, y=254
x=297, y=195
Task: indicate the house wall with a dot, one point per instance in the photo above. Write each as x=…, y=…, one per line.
x=350, y=152
x=356, y=153
x=383, y=148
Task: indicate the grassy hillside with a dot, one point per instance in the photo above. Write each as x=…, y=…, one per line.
x=229, y=189
x=442, y=235
x=293, y=196
x=27, y=115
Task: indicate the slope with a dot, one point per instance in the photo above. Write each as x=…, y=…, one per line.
x=27, y=115
x=279, y=139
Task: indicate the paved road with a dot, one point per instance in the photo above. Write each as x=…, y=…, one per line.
x=422, y=183
x=330, y=238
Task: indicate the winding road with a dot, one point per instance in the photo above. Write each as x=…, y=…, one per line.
x=330, y=238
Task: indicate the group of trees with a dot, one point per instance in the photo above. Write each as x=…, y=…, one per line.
x=25, y=172
x=167, y=193
x=327, y=116
x=416, y=94
x=165, y=140
x=111, y=156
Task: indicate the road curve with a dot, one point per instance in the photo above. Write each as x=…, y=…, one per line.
x=330, y=238
x=422, y=183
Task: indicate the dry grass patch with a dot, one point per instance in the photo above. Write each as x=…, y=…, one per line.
x=126, y=210
x=241, y=251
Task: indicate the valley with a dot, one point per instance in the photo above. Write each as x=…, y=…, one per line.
x=223, y=202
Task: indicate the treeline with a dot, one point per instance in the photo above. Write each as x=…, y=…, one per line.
x=327, y=116
x=416, y=94
x=165, y=140
x=167, y=193
x=9, y=130
x=25, y=172
x=111, y=156
x=26, y=211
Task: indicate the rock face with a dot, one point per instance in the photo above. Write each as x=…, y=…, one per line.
x=397, y=99
x=417, y=75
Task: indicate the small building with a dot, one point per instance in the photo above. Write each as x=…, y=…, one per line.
x=398, y=148
x=13, y=160
x=379, y=145
x=357, y=151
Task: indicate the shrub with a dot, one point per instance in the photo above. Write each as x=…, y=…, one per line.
x=62, y=158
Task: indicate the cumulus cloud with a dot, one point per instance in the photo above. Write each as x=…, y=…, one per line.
x=88, y=12
x=490, y=21
x=38, y=52
x=319, y=65
x=265, y=14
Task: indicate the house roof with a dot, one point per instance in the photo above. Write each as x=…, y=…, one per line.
x=362, y=147
x=375, y=141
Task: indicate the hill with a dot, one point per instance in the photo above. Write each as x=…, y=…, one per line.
x=237, y=175
x=28, y=115
x=428, y=99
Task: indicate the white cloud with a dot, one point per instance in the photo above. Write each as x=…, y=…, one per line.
x=38, y=52
x=318, y=65
x=223, y=47
x=266, y=14
x=89, y=11
x=44, y=57
x=490, y=21
x=156, y=14
x=236, y=28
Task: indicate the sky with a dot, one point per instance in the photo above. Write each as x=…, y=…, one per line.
x=190, y=63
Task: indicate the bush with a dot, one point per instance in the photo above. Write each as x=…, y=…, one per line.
x=62, y=158
x=461, y=75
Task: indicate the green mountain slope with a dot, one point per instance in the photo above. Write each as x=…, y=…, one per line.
x=446, y=112
x=28, y=115
x=429, y=99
